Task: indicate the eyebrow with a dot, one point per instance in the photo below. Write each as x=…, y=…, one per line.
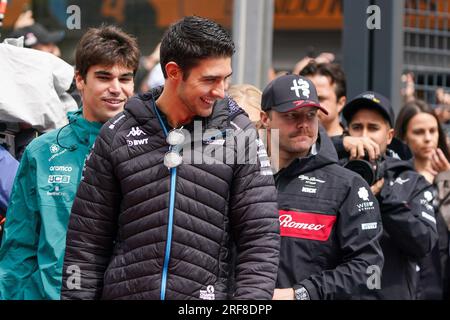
x=215, y=77
x=106, y=73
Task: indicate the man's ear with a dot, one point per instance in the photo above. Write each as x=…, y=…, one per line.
x=341, y=103
x=79, y=81
x=390, y=136
x=173, y=71
x=265, y=119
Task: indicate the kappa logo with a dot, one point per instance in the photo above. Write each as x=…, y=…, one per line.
x=363, y=194
x=136, y=132
x=301, y=85
x=208, y=294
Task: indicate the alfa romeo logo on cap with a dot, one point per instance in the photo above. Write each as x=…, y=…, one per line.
x=303, y=85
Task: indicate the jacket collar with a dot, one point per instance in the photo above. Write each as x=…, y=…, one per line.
x=85, y=131
x=325, y=154
x=217, y=120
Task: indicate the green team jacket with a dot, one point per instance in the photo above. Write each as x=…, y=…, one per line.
x=32, y=252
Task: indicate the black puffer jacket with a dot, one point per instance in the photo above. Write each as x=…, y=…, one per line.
x=128, y=245
x=330, y=227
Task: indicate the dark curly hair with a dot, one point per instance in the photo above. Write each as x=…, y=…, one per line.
x=192, y=39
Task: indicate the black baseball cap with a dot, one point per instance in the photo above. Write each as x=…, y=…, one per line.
x=290, y=92
x=369, y=100
x=37, y=34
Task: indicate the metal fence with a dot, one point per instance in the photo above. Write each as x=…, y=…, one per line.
x=427, y=46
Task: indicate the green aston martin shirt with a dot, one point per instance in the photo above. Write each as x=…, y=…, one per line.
x=32, y=252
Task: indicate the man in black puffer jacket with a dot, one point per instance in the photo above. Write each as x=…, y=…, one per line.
x=330, y=221
x=160, y=211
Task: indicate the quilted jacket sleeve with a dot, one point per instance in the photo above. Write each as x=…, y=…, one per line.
x=255, y=224
x=92, y=226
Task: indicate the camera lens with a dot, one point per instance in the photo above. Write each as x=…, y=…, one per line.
x=363, y=168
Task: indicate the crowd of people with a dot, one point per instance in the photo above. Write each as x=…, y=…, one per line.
x=175, y=187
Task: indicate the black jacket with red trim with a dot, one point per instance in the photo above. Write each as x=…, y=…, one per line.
x=330, y=225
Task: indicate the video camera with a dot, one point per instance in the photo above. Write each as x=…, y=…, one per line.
x=371, y=171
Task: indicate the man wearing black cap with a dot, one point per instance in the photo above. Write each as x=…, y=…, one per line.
x=404, y=196
x=329, y=220
x=36, y=36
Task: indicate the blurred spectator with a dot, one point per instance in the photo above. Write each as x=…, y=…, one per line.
x=419, y=127
x=155, y=77
x=329, y=80
x=442, y=110
x=408, y=87
x=146, y=65
x=25, y=19
x=324, y=57
x=248, y=97
x=8, y=168
x=36, y=36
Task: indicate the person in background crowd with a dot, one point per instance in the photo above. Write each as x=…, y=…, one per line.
x=32, y=252
x=163, y=227
x=8, y=169
x=330, y=222
x=330, y=83
x=405, y=199
x=248, y=97
x=419, y=127
x=36, y=36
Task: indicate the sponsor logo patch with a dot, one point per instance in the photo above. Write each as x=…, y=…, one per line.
x=54, y=148
x=429, y=217
x=369, y=226
x=208, y=294
x=136, y=132
x=306, y=225
x=58, y=179
x=61, y=168
x=140, y=142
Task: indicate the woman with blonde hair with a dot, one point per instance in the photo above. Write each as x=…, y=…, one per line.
x=248, y=97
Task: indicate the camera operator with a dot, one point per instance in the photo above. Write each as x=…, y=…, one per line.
x=405, y=199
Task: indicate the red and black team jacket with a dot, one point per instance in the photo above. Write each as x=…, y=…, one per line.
x=330, y=226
